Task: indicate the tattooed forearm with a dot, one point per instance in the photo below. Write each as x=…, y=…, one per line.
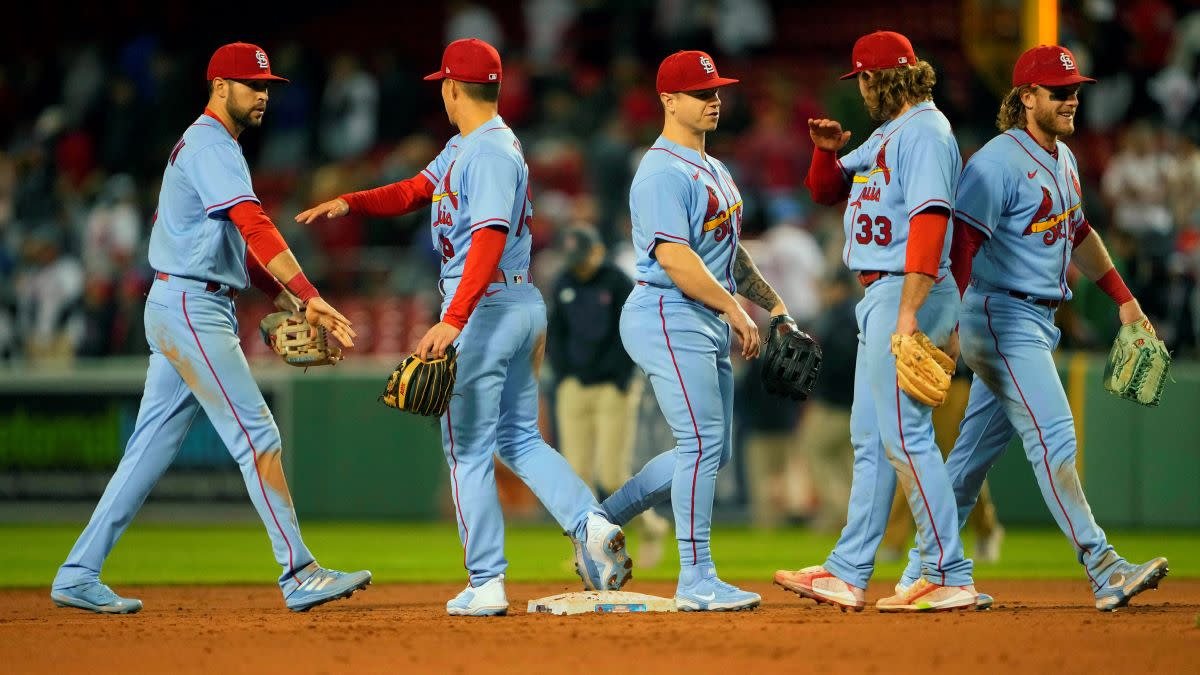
x=750, y=283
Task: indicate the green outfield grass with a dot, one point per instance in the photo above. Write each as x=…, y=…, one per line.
x=428, y=552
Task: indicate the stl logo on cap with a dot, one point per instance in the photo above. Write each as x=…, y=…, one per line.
x=241, y=61
x=1049, y=66
x=689, y=71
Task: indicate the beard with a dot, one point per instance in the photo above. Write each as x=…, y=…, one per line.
x=242, y=117
x=1053, y=125
x=874, y=110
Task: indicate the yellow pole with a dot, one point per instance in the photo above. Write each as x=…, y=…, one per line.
x=1040, y=25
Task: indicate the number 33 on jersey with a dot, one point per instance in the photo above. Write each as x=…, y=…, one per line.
x=910, y=164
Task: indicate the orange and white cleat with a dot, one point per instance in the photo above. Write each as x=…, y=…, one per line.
x=818, y=583
x=923, y=596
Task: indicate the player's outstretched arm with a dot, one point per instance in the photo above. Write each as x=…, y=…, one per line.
x=1091, y=257
x=334, y=208
x=752, y=286
x=263, y=242
x=688, y=272
x=390, y=200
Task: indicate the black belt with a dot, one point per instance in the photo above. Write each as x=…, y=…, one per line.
x=1052, y=304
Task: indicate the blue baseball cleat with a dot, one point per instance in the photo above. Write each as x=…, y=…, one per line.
x=1127, y=581
x=325, y=585
x=487, y=599
x=95, y=597
x=601, y=560
x=710, y=594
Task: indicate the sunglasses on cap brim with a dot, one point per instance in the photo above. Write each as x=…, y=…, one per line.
x=1063, y=93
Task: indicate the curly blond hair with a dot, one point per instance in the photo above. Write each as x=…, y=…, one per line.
x=889, y=90
x=1012, y=110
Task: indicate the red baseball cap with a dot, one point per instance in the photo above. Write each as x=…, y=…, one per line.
x=1048, y=65
x=689, y=71
x=881, y=50
x=469, y=60
x=241, y=61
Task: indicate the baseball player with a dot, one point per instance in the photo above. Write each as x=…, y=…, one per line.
x=900, y=184
x=208, y=238
x=1018, y=224
x=479, y=188
x=687, y=221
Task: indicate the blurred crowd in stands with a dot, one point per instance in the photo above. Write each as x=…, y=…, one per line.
x=86, y=128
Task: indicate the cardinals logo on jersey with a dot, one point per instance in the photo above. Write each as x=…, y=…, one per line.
x=713, y=209
x=881, y=164
x=716, y=218
x=446, y=191
x=1051, y=226
x=1038, y=223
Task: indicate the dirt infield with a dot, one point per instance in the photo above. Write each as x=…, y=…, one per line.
x=1036, y=627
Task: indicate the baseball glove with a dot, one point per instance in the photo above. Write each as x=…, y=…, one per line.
x=791, y=360
x=922, y=370
x=297, y=341
x=422, y=387
x=1138, y=364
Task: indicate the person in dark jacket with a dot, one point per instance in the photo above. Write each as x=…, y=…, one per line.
x=826, y=424
x=598, y=390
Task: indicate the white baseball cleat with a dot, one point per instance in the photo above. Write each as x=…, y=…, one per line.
x=600, y=557
x=487, y=599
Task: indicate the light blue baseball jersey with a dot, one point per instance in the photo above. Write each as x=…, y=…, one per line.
x=683, y=197
x=680, y=196
x=192, y=236
x=908, y=165
x=481, y=181
x=1029, y=205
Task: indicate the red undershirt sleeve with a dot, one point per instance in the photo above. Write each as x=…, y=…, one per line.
x=825, y=180
x=262, y=237
x=926, y=237
x=264, y=242
x=393, y=199
x=479, y=270
x=966, y=243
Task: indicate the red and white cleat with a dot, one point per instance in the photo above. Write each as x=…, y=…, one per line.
x=819, y=584
x=923, y=596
